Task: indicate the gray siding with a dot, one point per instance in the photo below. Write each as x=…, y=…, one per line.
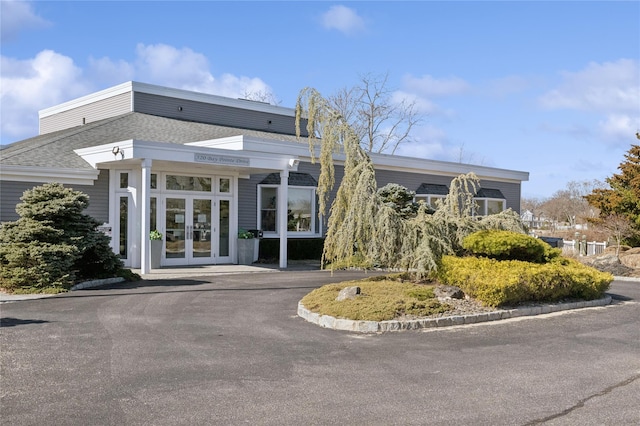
x=247, y=202
x=105, y=108
x=412, y=181
x=248, y=188
x=214, y=114
x=98, y=197
x=11, y=193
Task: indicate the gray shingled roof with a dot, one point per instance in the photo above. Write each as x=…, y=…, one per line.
x=295, y=179
x=432, y=189
x=490, y=193
x=55, y=149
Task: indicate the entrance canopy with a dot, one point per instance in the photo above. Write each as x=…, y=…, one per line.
x=198, y=153
x=228, y=155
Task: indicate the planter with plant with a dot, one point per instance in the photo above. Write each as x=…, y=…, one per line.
x=246, y=247
x=156, y=248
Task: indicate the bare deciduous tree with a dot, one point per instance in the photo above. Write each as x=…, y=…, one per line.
x=617, y=226
x=569, y=205
x=263, y=96
x=381, y=123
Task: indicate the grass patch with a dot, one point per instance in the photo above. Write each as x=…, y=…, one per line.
x=380, y=299
x=35, y=290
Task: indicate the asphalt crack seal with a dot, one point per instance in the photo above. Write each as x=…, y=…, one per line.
x=581, y=403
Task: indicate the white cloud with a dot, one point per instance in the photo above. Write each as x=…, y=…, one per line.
x=606, y=87
x=609, y=89
x=104, y=72
x=50, y=78
x=508, y=85
x=430, y=142
x=437, y=87
x=422, y=104
x=17, y=16
x=619, y=129
x=175, y=67
x=343, y=19
x=27, y=86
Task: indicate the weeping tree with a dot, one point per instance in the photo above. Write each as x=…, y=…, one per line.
x=365, y=228
x=355, y=207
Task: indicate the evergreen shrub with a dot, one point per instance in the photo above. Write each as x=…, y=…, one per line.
x=499, y=283
x=53, y=244
x=507, y=245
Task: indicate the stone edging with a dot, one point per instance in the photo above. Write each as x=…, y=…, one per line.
x=327, y=321
x=96, y=283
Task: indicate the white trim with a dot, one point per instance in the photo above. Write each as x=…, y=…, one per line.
x=282, y=202
x=48, y=174
x=187, y=95
x=380, y=161
x=161, y=151
x=315, y=221
x=85, y=100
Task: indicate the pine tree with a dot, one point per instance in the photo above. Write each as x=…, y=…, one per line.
x=623, y=196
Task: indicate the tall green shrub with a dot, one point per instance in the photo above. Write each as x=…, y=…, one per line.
x=53, y=243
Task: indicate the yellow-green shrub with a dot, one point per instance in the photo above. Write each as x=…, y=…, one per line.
x=508, y=245
x=509, y=282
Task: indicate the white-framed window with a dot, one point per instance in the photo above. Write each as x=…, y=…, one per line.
x=268, y=209
x=487, y=206
x=301, y=210
x=430, y=199
x=489, y=201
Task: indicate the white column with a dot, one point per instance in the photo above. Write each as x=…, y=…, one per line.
x=145, y=210
x=283, y=197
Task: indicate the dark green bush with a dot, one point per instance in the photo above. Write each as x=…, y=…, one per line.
x=53, y=243
x=507, y=245
x=499, y=283
x=297, y=249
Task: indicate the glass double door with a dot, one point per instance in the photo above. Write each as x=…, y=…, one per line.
x=197, y=230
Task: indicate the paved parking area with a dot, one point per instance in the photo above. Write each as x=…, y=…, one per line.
x=230, y=350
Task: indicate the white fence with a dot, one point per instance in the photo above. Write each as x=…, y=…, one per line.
x=583, y=248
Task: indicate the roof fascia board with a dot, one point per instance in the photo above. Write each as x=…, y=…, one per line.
x=161, y=151
x=134, y=86
x=380, y=161
x=153, y=89
x=258, y=145
x=85, y=100
x=43, y=174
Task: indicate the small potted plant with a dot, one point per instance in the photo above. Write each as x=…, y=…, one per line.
x=156, y=248
x=246, y=247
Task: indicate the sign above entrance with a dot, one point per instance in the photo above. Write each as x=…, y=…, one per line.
x=221, y=159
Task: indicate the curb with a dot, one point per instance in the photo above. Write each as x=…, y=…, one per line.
x=96, y=283
x=327, y=321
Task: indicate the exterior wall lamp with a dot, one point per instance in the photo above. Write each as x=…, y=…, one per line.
x=116, y=150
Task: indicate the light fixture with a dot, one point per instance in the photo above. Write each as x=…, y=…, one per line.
x=116, y=150
x=179, y=108
x=293, y=162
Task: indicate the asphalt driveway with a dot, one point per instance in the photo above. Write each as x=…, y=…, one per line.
x=230, y=350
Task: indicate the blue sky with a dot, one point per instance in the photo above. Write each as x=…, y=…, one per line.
x=552, y=88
